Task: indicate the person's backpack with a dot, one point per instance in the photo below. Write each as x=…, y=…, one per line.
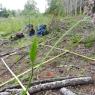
x=30, y=29
x=17, y=36
x=42, y=30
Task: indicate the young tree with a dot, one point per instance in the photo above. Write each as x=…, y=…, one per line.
x=4, y=13
x=30, y=8
x=62, y=7
x=55, y=7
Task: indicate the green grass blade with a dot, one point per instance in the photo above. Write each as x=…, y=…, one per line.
x=33, y=50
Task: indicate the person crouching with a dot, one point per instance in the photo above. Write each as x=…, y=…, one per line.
x=31, y=30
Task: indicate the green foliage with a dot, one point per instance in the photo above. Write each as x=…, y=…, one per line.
x=33, y=50
x=89, y=41
x=23, y=93
x=4, y=13
x=75, y=38
x=30, y=8
x=88, y=45
x=55, y=7
x=65, y=7
x=12, y=13
x=33, y=55
x=90, y=38
x=15, y=24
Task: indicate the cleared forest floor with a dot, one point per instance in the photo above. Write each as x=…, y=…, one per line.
x=79, y=60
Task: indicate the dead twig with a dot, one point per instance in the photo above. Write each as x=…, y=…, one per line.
x=13, y=64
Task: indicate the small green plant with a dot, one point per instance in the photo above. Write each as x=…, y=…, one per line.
x=33, y=56
x=88, y=45
x=89, y=41
x=75, y=38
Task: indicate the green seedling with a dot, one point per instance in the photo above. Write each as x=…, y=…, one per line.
x=33, y=56
x=75, y=38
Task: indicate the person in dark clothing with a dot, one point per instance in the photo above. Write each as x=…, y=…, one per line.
x=31, y=29
x=31, y=32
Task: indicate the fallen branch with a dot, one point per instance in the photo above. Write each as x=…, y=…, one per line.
x=18, y=49
x=13, y=64
x=30, y=69
x=60, y=84
x=71, y=52
x=57, y=84
x=12, y=52
x=8, y=53
x=39, y=65
x=4, y=93
x=37, y=82
x=11, y=92
x=65, y=91
x=14, y=91
x=13, y=74
x=4, y=42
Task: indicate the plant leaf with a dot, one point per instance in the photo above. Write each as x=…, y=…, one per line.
x=23, y=92
x=33, y=50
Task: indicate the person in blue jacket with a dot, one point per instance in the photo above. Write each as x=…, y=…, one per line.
x=42, y=30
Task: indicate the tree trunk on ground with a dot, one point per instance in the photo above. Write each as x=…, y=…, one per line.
x=37, y=82
x=60, y=84
x=55, y=85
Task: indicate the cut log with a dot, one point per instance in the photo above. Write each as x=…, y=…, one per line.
x=65, y=91
x=60, y=84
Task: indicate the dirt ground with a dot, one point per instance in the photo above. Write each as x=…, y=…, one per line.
x=67, y=65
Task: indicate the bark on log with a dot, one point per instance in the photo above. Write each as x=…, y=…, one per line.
x=11, y=92
x=37, y=82
x=56, y=85
x=4, y=93
x=14, y=91
x=65, y=91
x=60, y=84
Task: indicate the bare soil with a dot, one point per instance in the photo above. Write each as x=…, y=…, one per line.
x=64, y=66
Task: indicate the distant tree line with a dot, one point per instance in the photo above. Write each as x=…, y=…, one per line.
x=65, y=7
x=29, y=9
x=55, y=7
x=4, y=12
